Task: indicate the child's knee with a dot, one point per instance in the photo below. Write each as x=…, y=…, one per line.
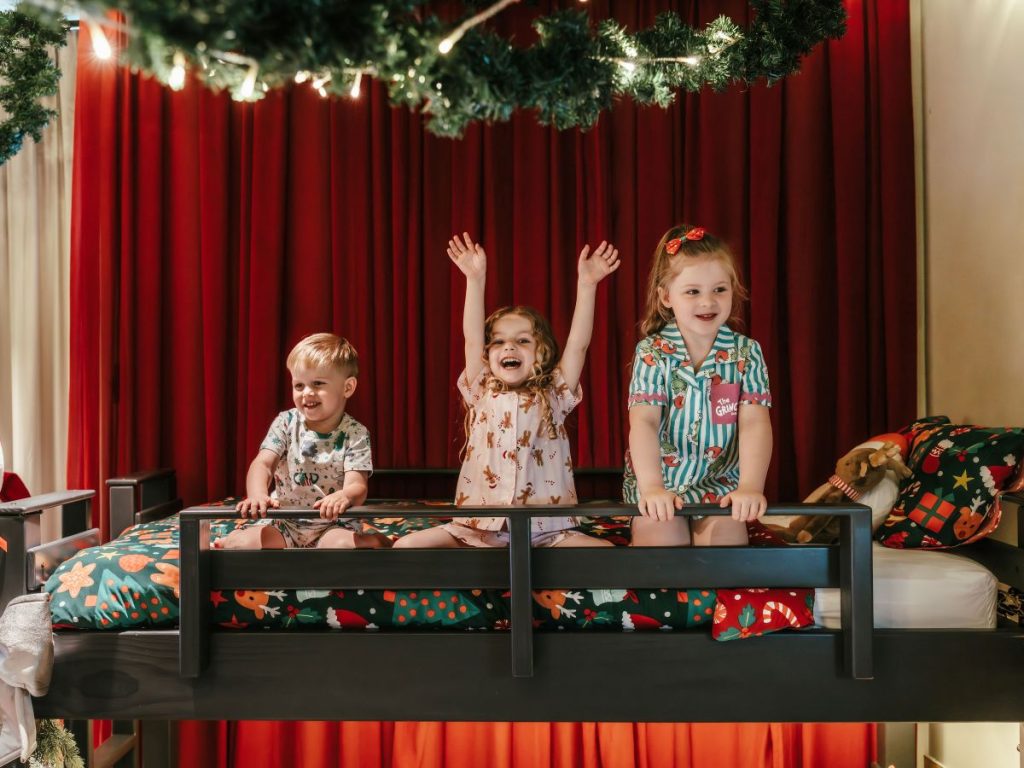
x=337, y=538
x=661, y=533
x=720, y=531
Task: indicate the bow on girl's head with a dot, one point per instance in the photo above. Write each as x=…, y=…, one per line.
x=672, y=246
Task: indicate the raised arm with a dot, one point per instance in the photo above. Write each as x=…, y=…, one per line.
x=471, y=260
x=592, y=269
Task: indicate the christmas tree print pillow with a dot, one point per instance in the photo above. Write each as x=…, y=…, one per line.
x=741, y=613
x=952, y=497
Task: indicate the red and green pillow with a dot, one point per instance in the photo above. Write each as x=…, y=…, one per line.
x=952, y=497
x=743, y=613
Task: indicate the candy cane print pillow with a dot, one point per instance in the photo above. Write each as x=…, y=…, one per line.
x=743, y=613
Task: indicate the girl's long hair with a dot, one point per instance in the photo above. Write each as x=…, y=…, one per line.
x=666, y=266
x=541, y=377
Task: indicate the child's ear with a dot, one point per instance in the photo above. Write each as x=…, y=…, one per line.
x=350, y=386
x=663, y=297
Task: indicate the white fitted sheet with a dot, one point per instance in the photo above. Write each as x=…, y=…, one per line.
x=922, y=589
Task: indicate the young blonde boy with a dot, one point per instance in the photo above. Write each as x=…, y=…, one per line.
x=316, y=455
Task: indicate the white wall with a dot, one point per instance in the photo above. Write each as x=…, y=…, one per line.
x=971, y=148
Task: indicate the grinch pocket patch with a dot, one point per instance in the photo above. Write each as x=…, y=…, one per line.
x=725, y=401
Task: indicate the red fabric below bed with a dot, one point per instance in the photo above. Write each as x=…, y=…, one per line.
x=527, y=745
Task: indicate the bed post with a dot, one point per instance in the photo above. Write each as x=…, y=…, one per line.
x=194, y=629
x=855, y=584
x=128, y=494
x=522, y=594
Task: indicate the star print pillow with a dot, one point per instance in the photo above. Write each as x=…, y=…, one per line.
x=952, y=497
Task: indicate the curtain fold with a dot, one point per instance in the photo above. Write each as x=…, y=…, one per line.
x=527, y=745
x=35, y=269
x=209, y=236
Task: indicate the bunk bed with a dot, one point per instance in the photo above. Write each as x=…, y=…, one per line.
x=856, y=673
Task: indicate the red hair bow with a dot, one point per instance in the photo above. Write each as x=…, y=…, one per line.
x=672, y=246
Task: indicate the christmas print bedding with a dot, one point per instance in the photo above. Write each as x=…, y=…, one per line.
x=132, y=583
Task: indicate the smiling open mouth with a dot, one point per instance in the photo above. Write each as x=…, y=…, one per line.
x=511, y=364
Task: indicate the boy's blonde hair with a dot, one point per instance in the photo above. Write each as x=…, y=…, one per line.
x=319, y=350
x=668, y=263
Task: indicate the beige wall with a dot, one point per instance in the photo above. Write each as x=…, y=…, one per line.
x=973, y=142
x=970, y=110
x=971, y=156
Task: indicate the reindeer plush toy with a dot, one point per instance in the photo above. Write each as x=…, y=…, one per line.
x=858, y=477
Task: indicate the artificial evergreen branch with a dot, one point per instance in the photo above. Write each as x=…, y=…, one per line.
x=27, y=74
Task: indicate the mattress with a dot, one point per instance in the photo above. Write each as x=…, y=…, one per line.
x=922, y=589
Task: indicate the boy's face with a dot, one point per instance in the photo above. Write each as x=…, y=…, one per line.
x=320, y=395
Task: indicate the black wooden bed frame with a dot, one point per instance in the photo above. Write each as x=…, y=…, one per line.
x=856, y=674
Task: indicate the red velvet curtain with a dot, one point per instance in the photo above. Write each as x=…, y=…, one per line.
x=209, y=236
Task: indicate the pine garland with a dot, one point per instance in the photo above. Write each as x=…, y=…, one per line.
x=572, y=73
x=27, y=74
x=55, y=747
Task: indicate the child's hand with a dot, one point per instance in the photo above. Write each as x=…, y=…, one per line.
x=468, y=256
x=595, y=267
x=746, y=505
x=659, y=504
x=333, y=505
x=256, y=506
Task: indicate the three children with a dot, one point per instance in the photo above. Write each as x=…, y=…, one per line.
x=698, y=414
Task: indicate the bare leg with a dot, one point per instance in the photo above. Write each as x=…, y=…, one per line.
x=253, y=537
x=577, y=539
x=429, y=538
x=719, y=531
x=343, y=538
x=661, y=533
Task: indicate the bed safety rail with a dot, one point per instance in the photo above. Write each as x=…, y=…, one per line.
x=26, y=562
x=521, y=568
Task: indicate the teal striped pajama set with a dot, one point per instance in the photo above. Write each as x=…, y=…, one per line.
x=699, y=410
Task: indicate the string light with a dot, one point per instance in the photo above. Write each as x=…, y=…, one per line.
x=446, y=45
x=354, y=93
x=100, y=44
x=177, y=78
x=302, y=76
x=320, y=82
x=249, y=84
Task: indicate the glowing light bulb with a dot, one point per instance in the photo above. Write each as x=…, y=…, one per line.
x=446, y=45
x=301, y=76
x=177, y=78
x=354, y=92
x=248, y=85
x=100, y=44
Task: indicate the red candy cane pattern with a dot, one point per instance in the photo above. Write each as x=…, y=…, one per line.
x=785, y=610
